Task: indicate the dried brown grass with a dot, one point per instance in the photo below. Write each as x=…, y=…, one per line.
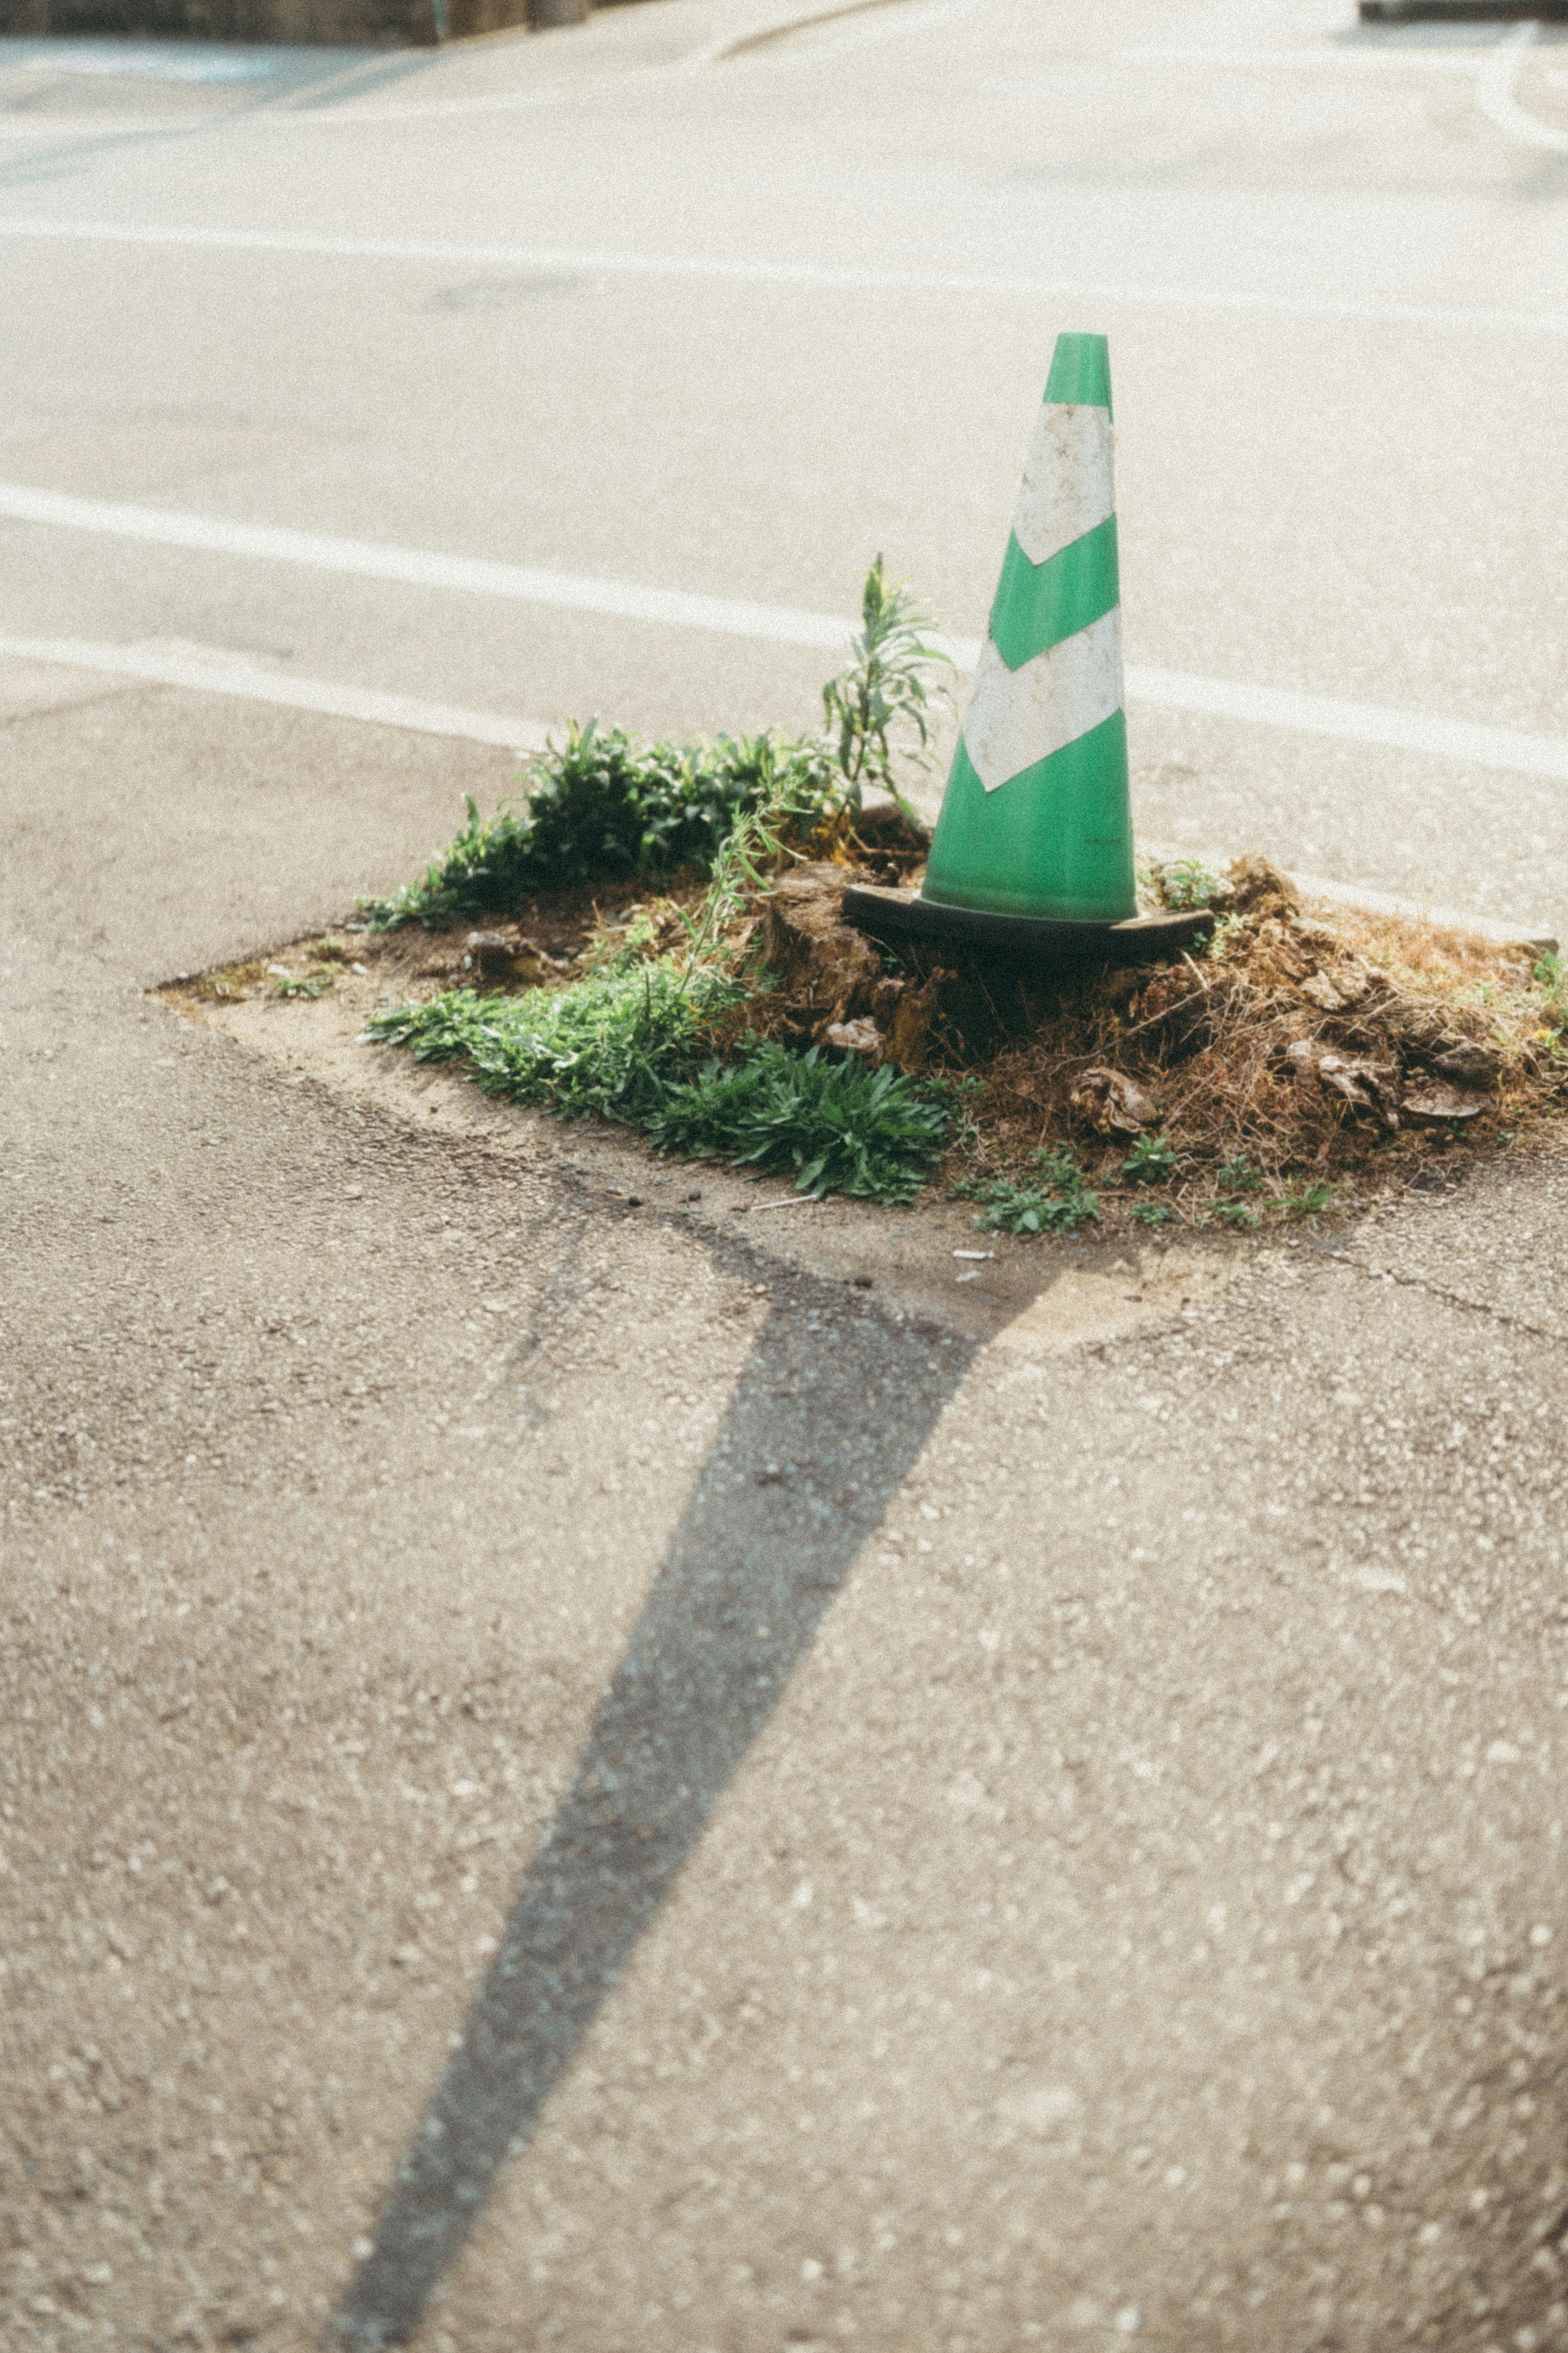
x=1209, y=1038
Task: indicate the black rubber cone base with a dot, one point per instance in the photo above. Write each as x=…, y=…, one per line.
x=1461, y=12
x=894, y=915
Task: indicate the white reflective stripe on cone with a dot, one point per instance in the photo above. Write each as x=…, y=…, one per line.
x=1018, y=717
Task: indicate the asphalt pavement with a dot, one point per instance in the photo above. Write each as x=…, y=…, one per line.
x=574, y=1774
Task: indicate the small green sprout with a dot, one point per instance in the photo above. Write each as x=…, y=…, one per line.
x=1188, y=882
x=289, y=983
x=1058, y=1202
x=1153, y=1161
x=1310, y=1201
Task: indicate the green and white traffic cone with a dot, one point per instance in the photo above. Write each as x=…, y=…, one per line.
x=1034, y=845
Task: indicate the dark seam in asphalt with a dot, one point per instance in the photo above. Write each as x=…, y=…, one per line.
x=761, y=1553
x=1371, y=1273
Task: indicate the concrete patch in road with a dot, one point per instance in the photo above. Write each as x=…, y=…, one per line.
x=1035, y=1298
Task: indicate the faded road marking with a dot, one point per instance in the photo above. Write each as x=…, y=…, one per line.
x=1426, y=732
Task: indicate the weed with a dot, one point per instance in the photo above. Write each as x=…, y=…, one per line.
x=841, y=1127
x=1057, y=1202
x=289, y=983
x=1239, y=1175
x=1230, y=932
x=605, y=805
x=1153, y=1162
x=1150, y=1213
x=1551, y=978
x=1236, y=1213
x=1309, y=1201
x=1188, y=882
x=758, y=839
x=625, y=1044
x=959, y=1097
x=328, y=950
x=885, y=687
x=606, y=1046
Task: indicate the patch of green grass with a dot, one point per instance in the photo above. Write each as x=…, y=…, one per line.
x=1150, y=1162
x=1309, y=1201
x=1057, y=1201
x=604, y=806
x=633, y=1043
x=842, y=1128
x=606, y=1048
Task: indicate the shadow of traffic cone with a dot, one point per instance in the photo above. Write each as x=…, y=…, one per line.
x=1033, y=848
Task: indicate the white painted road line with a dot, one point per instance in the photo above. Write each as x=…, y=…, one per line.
x=609, y=261
x=1505, y=748
x=217, y=677
x=1502, y=748
x=368, y=559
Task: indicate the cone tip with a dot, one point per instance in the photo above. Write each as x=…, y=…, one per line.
x=1080, y=370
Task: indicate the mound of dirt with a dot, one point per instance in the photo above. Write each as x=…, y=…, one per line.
x=1308, y=1047
x=1333, y=1042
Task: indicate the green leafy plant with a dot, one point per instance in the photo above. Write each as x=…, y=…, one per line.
x=605, y=805
x=1150, y=1213
x=1309, y=1201
x=1239, y=1175
x=886, y=689
x=841, y=1128
x=1151, y=1161
x=608, y=1046
x=784, y=804
x=1551, y=976
x=1188, y=882
x=1236, y=1213
x=1057, y=1201
x=632, y=1043
x=289, y=983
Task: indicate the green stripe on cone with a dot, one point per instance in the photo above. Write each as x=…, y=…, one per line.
x=1081, y=370
x=1066, y=818
x=1037, y=605
x=1047, y=832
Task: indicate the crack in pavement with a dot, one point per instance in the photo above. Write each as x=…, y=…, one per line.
x=1371, y=1272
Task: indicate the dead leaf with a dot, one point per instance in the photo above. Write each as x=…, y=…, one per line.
x=1112, y=1103
x=1435, y=1106
x=861, y=1037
